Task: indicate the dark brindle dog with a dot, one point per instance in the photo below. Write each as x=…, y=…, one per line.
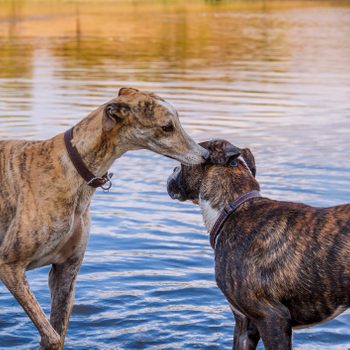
x=281, y=265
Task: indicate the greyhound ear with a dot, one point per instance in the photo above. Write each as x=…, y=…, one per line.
x=126, y=91
x=249, y=159
x=221, y=151
x=113, y=113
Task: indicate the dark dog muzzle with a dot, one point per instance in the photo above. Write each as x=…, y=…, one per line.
x=173, y=187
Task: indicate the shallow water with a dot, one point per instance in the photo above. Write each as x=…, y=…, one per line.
x=274, y=76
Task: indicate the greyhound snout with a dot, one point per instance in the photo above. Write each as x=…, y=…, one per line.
x=194, y=154
x=198, y=151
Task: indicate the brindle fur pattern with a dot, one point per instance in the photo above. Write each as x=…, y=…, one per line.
x=281, y=265
x=44, y=203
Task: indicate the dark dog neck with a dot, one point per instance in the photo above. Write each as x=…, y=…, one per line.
x=221, y=186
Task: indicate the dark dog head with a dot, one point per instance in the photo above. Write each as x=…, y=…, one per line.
x=140, y=119
x=228, y=171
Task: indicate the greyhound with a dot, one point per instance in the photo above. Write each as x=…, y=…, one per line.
x=46, y=190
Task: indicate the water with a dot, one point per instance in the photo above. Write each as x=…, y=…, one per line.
x=274, y=76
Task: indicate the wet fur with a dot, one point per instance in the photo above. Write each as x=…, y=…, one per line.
x=44, y=203
x=280, y=265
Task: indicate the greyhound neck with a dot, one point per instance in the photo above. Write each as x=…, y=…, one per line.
x=94, y=146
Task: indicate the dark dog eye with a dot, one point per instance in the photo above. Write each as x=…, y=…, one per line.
x=168, y=128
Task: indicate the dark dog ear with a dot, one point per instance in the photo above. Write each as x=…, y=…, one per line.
x=126, y=91
x=221, y=151
x=249, y=159
x=113, y=113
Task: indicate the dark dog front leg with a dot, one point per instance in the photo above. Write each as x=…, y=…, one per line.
x=276, y=330
x=246, y=335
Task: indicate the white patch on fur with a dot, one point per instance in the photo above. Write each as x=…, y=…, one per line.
x=245, y=164
x=236, y=311
x=210, y=215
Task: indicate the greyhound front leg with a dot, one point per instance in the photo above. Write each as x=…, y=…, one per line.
x=14, y=279
x=62, y=287
x=246, y=336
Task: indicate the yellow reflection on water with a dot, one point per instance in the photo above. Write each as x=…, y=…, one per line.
x=170, y=31
x=199, y=50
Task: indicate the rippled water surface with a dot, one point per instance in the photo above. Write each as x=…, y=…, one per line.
x=274, y=76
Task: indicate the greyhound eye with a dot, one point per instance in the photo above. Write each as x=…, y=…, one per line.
x=168, y=127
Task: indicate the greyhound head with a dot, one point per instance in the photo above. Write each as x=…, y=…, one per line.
x=145, y=120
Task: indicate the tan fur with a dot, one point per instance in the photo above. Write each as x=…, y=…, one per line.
x=44, y=203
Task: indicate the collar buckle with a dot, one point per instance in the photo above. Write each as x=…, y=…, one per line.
x=104, y=182
x=107, y=178
x=225, y=214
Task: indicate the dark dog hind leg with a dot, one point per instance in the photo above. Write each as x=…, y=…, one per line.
x=246, y=336
x=275, y=329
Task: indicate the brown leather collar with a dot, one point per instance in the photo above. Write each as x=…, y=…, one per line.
x=84, y=172
x=227, y=211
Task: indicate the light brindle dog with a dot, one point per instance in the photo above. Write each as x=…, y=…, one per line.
x=44, y=202
x=280, y=265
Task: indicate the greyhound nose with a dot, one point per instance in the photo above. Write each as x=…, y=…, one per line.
x=205, y=154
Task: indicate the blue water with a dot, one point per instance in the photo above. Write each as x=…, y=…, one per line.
x=274, y=79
